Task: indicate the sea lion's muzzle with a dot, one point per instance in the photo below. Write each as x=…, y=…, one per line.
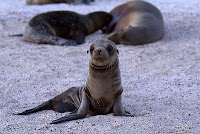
x=99, y=52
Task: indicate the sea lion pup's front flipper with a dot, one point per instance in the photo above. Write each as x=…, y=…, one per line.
x=118, y=109
x=79, y=114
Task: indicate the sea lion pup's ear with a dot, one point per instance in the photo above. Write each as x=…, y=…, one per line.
x=117, y=51
x=91, y=49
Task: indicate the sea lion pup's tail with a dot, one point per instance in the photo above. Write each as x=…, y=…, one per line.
x=16, y=35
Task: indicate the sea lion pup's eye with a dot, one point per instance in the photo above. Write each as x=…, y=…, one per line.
x=109, y=49
x=91, y=49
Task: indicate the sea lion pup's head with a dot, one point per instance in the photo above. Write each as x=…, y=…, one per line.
x=103, y=54
x=99, y=20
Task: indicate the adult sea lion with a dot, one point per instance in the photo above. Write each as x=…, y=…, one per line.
x=100, y=95
x=64, y=27
x=41, y=2
x=135, y=23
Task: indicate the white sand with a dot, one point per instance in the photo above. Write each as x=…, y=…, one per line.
x=161, y=80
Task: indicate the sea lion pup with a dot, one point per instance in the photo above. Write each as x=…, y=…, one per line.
x=100, y=95
x=41, y=2
x=135, y=23
x=64, y=27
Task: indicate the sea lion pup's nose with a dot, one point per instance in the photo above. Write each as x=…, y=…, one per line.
x=99, y=51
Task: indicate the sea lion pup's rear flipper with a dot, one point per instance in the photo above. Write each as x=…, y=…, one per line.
x=46, y=38
x=44, y=34
x=43, y=106
x=51, y=105
x=54, y=40
x=80, y=113
x=41, y=2
x=66, y=101
x=16, y=35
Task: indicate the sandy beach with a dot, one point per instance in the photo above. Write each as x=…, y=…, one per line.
x=161, y=80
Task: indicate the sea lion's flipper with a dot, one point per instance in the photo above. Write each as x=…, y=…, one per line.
x=55, y=105
x=64, y=107
x=109, y=28
x=50, y=39
x=16, y=35
x=44, y=35
x=130, y=36
x=80, y=113
x=62, y=42
x=117, y=107
x=128, y=114
x=79, y=37
x=77, y=2
x=41, y=2
x=67, y=101
x=44, y=106
x=69, y=117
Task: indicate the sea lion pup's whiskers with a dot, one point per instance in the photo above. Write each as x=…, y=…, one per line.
x=100, y=95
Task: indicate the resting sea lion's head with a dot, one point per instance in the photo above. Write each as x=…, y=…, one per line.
x=99, y=20
x=103, y=54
